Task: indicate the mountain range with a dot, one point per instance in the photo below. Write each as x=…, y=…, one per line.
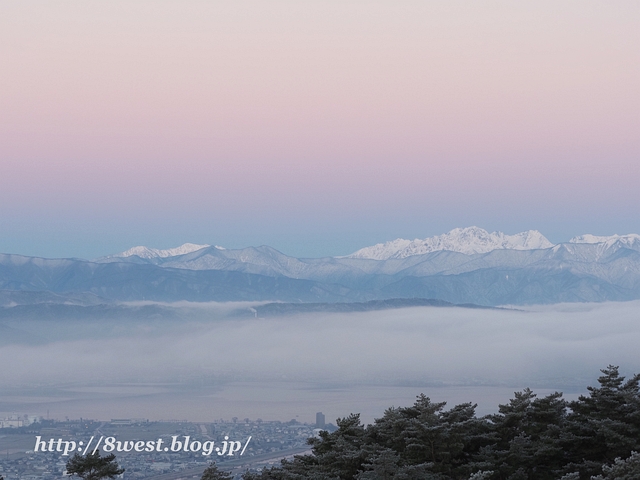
x=465, y=265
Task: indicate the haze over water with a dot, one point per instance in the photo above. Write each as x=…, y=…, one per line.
x=291, y=367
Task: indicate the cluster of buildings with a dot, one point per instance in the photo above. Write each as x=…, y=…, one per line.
x=17, y=421
x=269, y=442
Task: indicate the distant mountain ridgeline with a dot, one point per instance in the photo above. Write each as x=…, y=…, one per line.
x=463, y=266
x=279, y=309
x=52, y=308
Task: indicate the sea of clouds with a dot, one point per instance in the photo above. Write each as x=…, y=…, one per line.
x=550, y=346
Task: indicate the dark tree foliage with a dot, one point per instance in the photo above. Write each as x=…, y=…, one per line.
x=529, y=438
x=212, y=472
x=94, y=467
x=604, y=425
x=628, y=469
x=441, y=442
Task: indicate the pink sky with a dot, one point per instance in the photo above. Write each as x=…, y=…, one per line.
x=317, y=127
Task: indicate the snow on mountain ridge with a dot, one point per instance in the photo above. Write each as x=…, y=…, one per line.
x=608, y=243
x=146, y=252
x=468, y=240
x=629, y=239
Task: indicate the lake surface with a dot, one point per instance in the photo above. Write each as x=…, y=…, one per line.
x=266, y=400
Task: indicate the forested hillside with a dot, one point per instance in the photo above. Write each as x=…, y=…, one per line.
x=594, y=437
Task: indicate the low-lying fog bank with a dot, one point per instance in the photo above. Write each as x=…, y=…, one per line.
x=551, y=347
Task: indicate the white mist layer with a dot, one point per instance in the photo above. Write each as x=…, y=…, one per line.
x=555, y=345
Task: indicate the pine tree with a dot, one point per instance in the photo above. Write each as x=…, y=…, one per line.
x=605, y=425
x=440, y=441
x=212, y=472
x=382, y=466
x=94, y=467
x=528, y=438
x=628, y=469
x=592, y=438
x=341, y=454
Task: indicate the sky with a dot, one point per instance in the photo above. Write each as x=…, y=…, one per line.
x=315, y=127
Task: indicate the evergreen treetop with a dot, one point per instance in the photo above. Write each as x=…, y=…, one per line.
x=94, y=467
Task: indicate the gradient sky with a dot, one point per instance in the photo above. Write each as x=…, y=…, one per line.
x=316, y=127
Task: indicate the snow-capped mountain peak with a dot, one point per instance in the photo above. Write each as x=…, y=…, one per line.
x=146, y=252
x=468, y=240
x=606, y=242
x=588, y=238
